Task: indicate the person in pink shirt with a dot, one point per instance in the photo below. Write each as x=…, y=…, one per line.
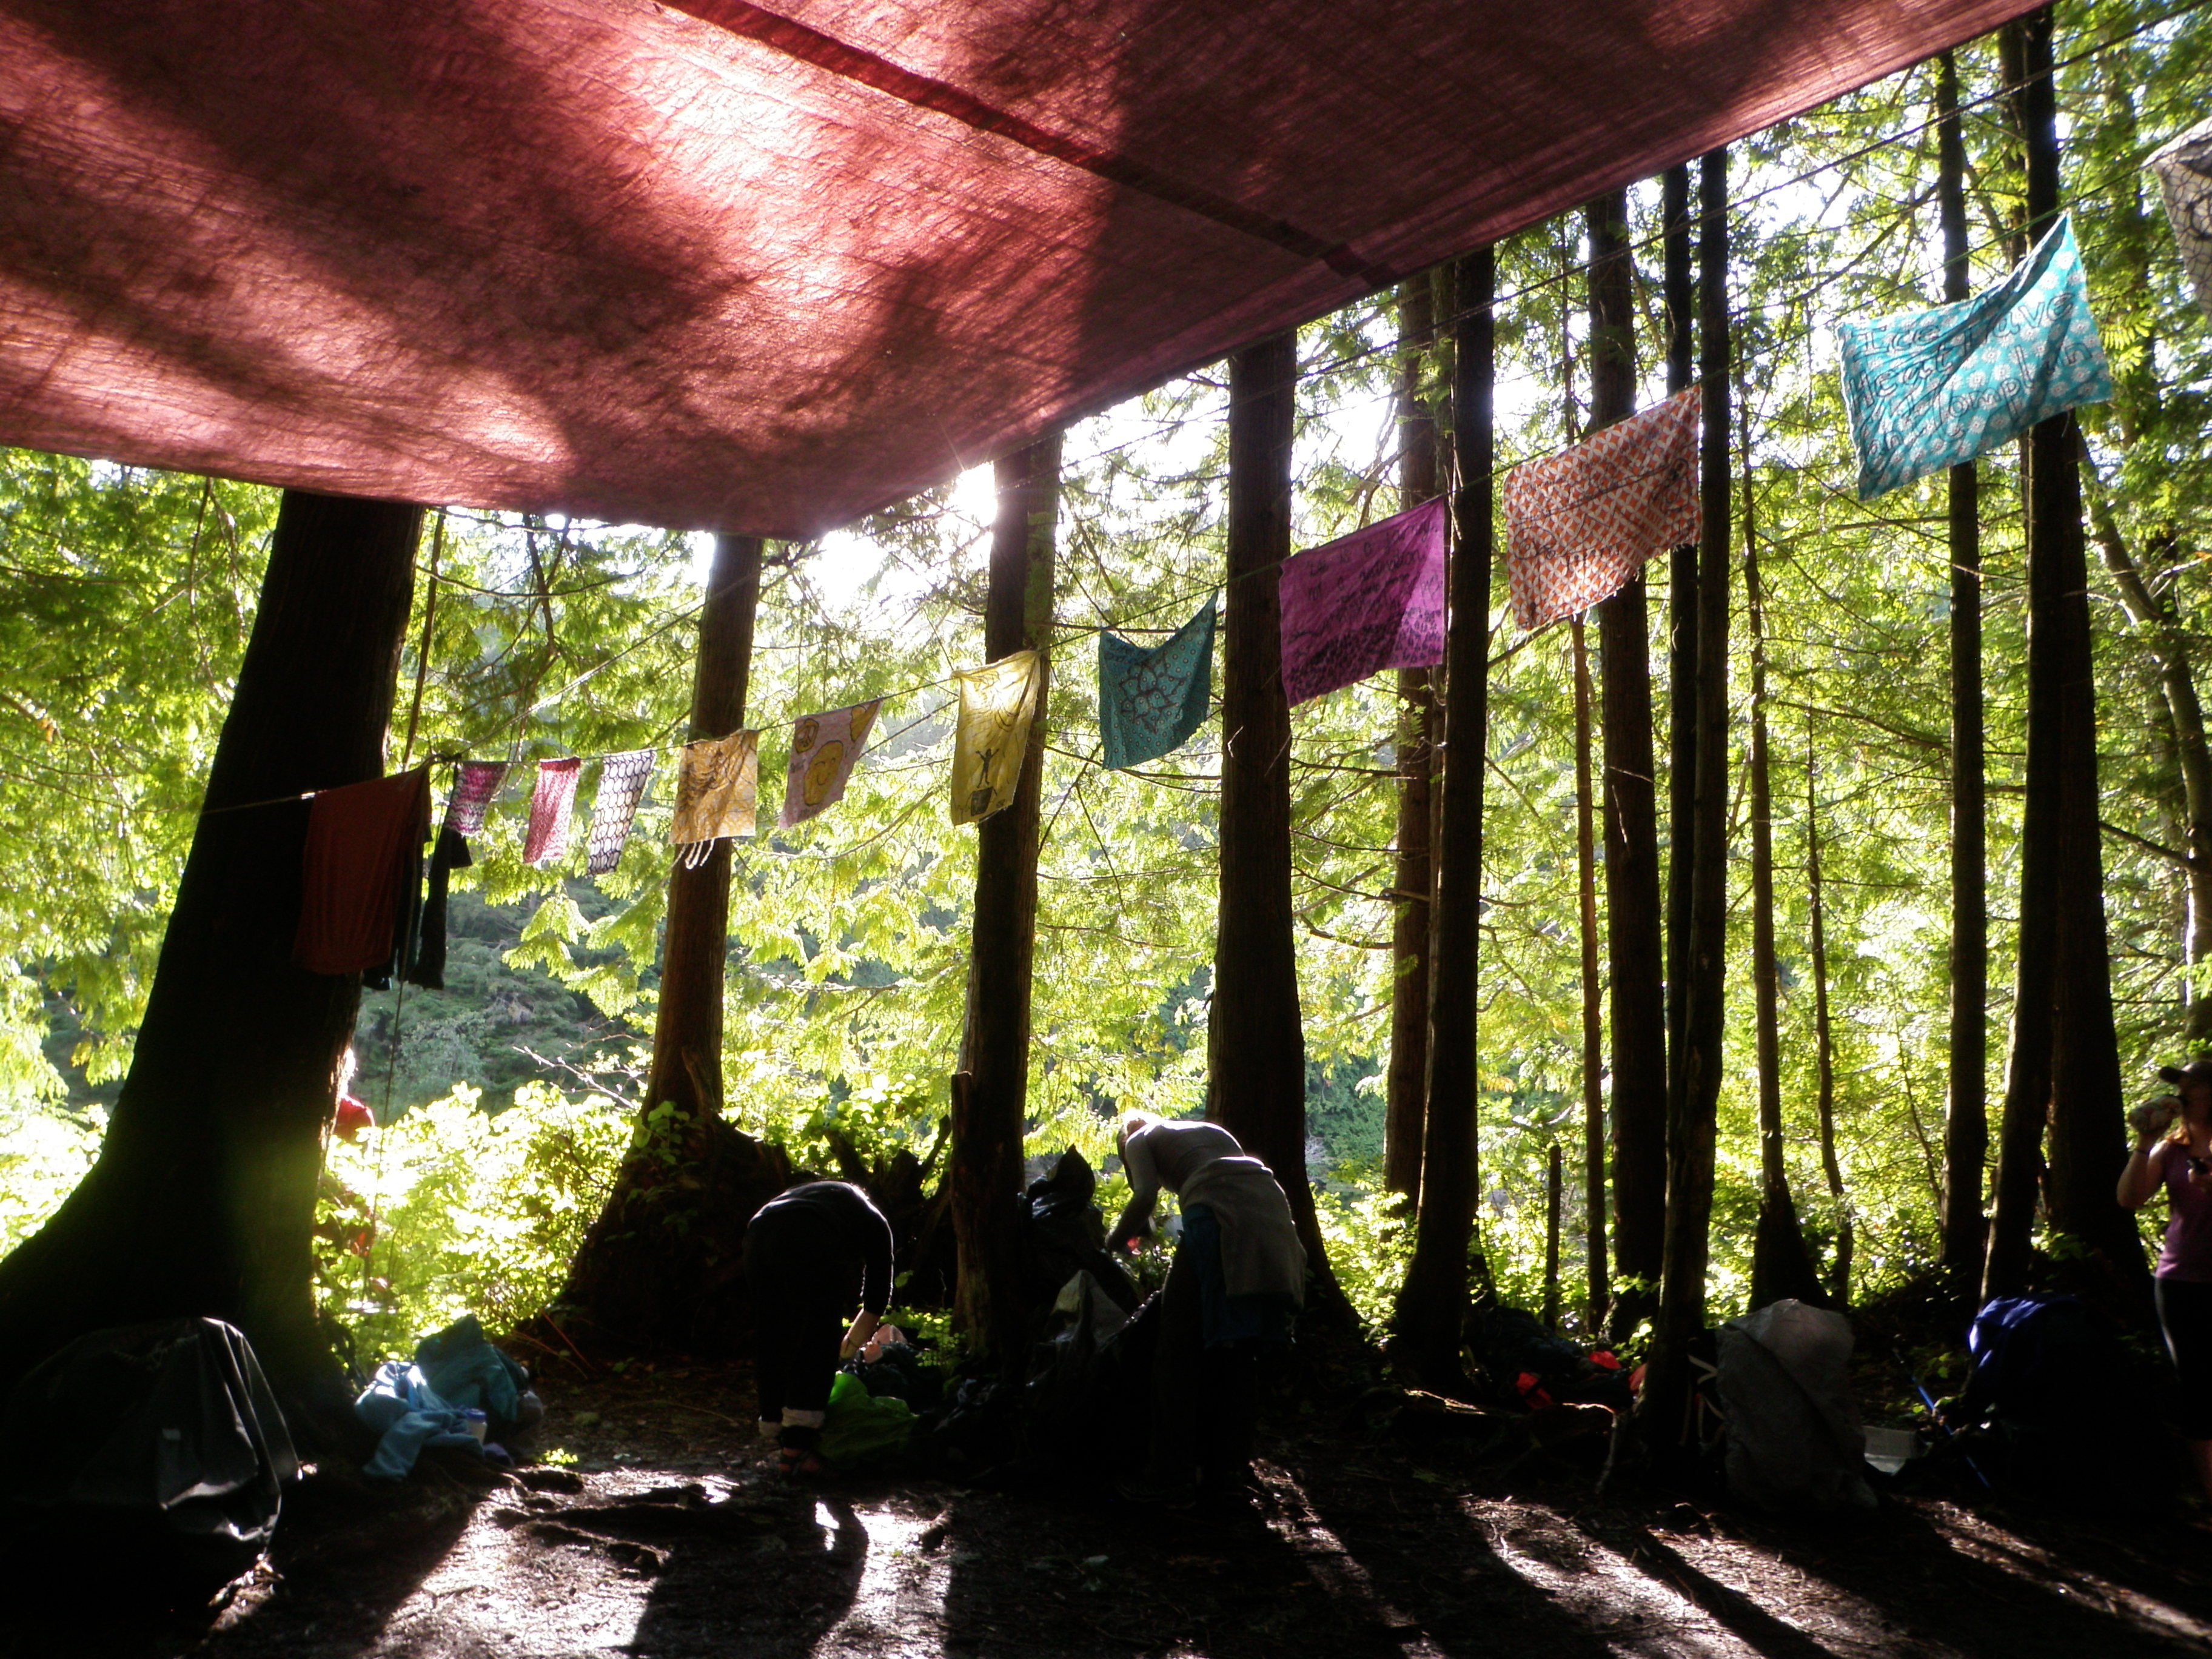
x=2173, y=1150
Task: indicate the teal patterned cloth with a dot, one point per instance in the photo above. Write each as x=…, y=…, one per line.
x=1151, y=701
x=1930, y=389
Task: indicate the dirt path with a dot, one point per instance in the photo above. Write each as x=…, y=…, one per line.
x=668, y=1538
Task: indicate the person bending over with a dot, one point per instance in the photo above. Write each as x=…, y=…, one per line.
x=1239, y=1274
x=811, y=1254
x=2181, y=1163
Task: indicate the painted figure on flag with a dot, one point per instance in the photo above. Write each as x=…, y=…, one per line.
x=998, y=703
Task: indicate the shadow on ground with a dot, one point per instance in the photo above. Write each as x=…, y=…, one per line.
x=661, y=1531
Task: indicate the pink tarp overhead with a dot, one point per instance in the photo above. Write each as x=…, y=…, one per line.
x=723, y=266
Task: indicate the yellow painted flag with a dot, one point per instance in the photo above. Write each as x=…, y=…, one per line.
x=997, y=703
x=714, y=792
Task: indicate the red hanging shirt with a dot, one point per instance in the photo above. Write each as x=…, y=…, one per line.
x=363, y=841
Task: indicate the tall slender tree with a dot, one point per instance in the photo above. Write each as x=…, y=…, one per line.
x=1781, y=1265
x=990, y=1107
x=2145, y=574
x=1256, y=1039
x=1433, y=1303
x=1823, y=1042
x=203, y=1199
x=2064, y=1066
x=1418, y=724
x=1631, y=825
x=687, y=1027
x=1694, y=1078
x=1593, y=994
x=658, y=1265
x=1679, y=287
x=1965, y=1123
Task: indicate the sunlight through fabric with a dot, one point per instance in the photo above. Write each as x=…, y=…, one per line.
x=726, y=267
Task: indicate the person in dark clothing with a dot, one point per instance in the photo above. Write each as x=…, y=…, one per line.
x=811, y=1254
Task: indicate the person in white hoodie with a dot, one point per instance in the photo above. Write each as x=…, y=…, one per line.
x=1238, y=1276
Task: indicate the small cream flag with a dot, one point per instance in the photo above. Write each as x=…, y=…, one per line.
x=714, y=792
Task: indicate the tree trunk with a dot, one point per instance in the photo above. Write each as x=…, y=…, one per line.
x=1631, y=825
x=1824, y=1046
x=203, y=1196
x=660, y=1267
x=1694, y=1079
x=1553, y=1180
x=1255, y=1041
x=2065, y=1059
x=1433, y=1303
x=1593, y=994
x=990, y=1113
x=2154, y=616
x=1417, y=722
x=687, y=1026
x=1681, y=300
x=1781, y=1265
x=1966, y=1125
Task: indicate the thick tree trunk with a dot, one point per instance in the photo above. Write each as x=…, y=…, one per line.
x=1418, y=730
x=203, y=1195
x=1255, y=1039
x=1966, y=1124
x=2065, y=1059
x=660, y=1267
x=1593, y=995
x=990, y=1108
x=1433, y=1303
x=1781, y=1265
x=1694, y=1079
x=1631, y=825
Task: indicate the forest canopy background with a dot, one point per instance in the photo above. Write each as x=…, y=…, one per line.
x=126, y=597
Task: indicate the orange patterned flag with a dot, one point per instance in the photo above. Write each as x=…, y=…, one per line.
x=1580, y=524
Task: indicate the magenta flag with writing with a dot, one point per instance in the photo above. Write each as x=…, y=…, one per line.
x=1371, y=600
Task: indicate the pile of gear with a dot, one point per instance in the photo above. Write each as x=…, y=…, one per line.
x=459, y=1393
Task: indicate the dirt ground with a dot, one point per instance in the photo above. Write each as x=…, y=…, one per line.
x=668, y=1537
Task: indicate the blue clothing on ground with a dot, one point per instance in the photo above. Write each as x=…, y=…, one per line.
x=465, y=1369
x=400, y=1402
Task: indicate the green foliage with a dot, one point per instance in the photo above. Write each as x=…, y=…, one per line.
x=451, y=1210
x=125, y=596
x=43, y=1152
x=1369, y=1245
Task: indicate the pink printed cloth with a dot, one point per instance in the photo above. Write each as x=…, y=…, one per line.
x=1580, y=524
x=474, y=785
x=550, y=805
x=1371, y=600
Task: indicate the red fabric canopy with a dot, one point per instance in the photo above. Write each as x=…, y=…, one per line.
x=758, y=271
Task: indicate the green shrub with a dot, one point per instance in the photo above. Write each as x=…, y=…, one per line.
x=471, y=1213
